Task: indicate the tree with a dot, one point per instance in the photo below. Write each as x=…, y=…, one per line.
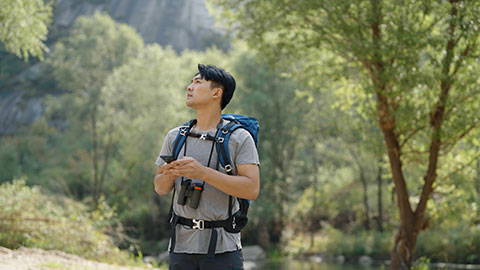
x=81, y=63
x=415, y=60
x=23, y=26
x=271, y=98
x=141, y=101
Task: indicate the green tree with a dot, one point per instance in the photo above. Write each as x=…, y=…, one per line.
x=264, y=94
x=142, y=100
x=81, y=63
x=24, y=26
x=416, y=60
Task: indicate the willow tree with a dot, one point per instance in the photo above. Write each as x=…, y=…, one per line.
x=416, y=61
x=24, y=26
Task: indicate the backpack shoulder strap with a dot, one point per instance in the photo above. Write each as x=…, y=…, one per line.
x=223, y=138
x=177, y=146
x=181, y=137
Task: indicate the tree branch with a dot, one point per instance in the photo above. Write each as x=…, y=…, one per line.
x=475, y=158
x=461, y=100
x=437, y=119
x=458, y=64
x=411, y=135
x=448, y=147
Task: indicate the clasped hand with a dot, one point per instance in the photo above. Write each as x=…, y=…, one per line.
x=187, y=167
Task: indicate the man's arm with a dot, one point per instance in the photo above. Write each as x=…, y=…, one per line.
x=245, y=185
x=164, y=180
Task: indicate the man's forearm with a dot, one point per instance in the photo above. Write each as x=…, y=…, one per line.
x=163, y=183
x=238, y=186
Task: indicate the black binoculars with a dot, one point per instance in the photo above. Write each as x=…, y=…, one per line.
x=192, y=191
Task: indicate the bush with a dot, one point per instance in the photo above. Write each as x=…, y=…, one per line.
x=459, y=244
x=333, y=242
x=30, y=218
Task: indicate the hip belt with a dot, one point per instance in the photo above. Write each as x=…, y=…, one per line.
x=197, y=224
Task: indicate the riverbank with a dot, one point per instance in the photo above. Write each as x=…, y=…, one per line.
x=39, y=259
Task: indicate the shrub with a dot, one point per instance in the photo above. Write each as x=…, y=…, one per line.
x=30, y=218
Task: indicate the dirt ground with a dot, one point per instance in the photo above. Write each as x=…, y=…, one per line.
x=39, y=259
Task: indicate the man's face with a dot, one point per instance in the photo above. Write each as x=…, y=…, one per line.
x=199, y=93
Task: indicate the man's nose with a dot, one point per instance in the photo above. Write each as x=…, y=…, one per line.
x=189, y=88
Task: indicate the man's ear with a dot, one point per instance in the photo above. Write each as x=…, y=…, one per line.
x=218, y=91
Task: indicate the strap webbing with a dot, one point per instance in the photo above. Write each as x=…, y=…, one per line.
x=173, y=237
x=213, y=244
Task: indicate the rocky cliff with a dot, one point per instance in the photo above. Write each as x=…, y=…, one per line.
x=183, y=24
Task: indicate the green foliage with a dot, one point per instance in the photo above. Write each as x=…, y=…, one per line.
x=83, y=60
x=456, y=244
x=317, y=114
x=23, y=26
x=81, y=64
x=412, y=73
x=411, y=44
x=271, y=98
x=333, y=242
x=8, y=160
x=421, y=264
x=31, y=218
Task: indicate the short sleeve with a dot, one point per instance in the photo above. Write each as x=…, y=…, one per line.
x=166, y=147
x=246, y=151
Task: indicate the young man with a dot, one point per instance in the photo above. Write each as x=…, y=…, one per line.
x=199, y=247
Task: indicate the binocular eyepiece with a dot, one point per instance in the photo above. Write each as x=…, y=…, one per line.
x=190, y=190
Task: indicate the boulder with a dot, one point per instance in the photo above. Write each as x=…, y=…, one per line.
x=365, y=260
x=161, y=258
x=253, y=253
x=316, y=258
x=340, y=259
x=249, y=265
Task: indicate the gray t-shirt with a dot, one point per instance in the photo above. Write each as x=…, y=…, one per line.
x=213, y=203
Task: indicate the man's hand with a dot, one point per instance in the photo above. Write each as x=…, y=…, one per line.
x=187, y=167
x=165, y=169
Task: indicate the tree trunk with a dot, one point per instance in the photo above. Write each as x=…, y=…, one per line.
x=379, y=197
x=264, y=235
x=405, y=240
x=477, y=185
x=106, y=160
x=95, y=193
x=314, y=205
x=365, y=198
x=478, y=178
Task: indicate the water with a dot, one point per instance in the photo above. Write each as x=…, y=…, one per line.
x=286, y=264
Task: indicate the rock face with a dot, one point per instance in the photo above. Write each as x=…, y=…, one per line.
x=17, y=112
x=182, y=24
